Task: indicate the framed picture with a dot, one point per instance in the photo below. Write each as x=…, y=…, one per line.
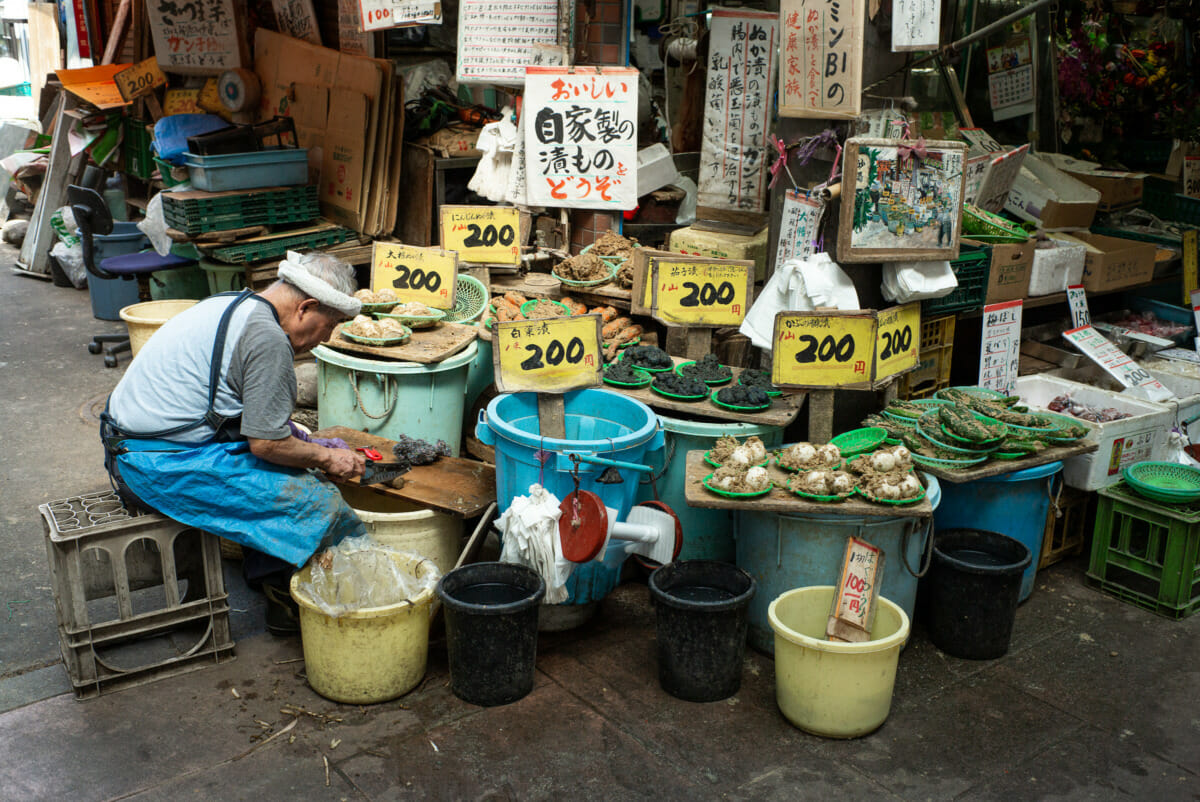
x=901, y=200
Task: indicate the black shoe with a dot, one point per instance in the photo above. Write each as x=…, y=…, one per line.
x=283, y=614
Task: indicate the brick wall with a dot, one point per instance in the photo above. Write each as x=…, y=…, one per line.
x=587, y=225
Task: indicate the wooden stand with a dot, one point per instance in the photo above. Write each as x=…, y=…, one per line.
x=552, y=416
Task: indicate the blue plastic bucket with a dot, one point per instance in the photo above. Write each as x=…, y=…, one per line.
x=707, y=534
x=1014, y=504
x=110, y=295
x=598, y=423
x=784, y=551
x=388, y=398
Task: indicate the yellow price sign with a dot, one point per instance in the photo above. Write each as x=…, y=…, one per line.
x=694, y=293
x=140, y=79
x=548, y=356
x=425, y=275
x=898, y=341
x=1191, y=253
x=483, y=234
x=824, y=349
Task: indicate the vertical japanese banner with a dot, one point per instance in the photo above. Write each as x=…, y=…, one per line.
x=797, y=227
x=821, y=73
x=581, y=137
x=737, y=109
x=915, y=24
x=200, y=37
x=1000, y=348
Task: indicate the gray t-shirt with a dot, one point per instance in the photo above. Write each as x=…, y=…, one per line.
x=167, y=384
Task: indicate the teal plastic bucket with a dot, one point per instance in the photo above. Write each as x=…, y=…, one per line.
x=388, y=399
x=707, y=534
x=481, y=374
x=110, y=295
x=222, y=277
x=783, y=551
x=178, y=283
x=1014, y=504
x=598, y=423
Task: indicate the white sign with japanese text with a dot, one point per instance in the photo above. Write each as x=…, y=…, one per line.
x=1115, y=362
x=915, y=24
x=797, y=227
x=581, y=137
x=822, y=53
x=1077, y=300
x=1000, y=347
x=497, y=38
x=196, y=37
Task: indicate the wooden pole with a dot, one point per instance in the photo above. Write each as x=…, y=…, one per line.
x=820, y=416
x=116, y=37
x=552, y=416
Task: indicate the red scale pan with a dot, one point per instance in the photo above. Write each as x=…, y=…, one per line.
x=653, y=531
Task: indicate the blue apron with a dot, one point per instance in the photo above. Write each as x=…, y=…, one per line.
x=222, y=488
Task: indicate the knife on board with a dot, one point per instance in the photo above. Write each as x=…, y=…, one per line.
x=380, y=472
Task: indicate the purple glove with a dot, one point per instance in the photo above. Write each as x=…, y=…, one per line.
x=327, y=442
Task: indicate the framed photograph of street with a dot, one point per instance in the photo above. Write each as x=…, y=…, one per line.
x=901, y=200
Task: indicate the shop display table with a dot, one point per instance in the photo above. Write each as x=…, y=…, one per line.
x=999, y=467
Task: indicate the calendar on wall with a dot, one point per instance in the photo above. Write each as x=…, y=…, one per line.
x=1010, y=78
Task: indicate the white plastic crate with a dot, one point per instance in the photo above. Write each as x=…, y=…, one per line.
x=1122, y=442
x=1185, y=386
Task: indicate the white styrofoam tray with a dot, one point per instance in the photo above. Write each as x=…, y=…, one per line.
x=1055, y=269
x=1122, y=442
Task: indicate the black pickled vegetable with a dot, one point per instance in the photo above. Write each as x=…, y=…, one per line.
x=739, y=396
x=753, y=377
x=418, y=452
x=624, y=373
x=706, y=369
x=647, y=356
x=678, y=385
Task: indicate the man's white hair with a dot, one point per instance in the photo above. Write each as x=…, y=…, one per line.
x=324, y=277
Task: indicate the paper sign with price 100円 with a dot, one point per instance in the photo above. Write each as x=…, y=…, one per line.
x=424, y=275
x=846, y=349
x=701, y=294
x=548, y=356
x=483, y=234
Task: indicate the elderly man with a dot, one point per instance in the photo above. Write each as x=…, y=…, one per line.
x=198, y=428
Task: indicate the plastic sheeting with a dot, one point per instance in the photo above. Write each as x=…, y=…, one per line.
x=361, y=573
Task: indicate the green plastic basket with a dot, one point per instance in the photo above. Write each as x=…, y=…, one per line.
x=713, y=383
x=643, y=383
x=470, y=299
x=980, y=222
x=1168, y=482
x=948, y=464
x=923, y=430
x=732, y=408
x=649, y=370
x=417, y=321
x=375, y=309
x=528, y=306
x=857, y=441
x=612, y=274
x=979, y=392
x=379, y=342
x=716, y=464
x=979, y=443
x=675, y=397
x=921, y=402
x=730, y=494
x=903, y=420
x=892, y=502
x=823, y=499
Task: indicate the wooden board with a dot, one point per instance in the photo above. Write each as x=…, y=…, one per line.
x=998, y=467
x=454, y=485
x=426, y=346
x=783, y=411
x=780, y=499
x=604, y=295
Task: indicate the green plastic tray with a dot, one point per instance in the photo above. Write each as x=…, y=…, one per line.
x=643, y=383
x=416, y=321
x=729, y=494
x=890, y=501
x=949, y=464
x=665, y=394
x=981, y=443
x=823, y=499
x=1168, y=482
x=716, y=464
x=921, y=402
x=612, y=274
x=732, y=408
x=375, y=309
x=980, y=392
x=649, y=370
x=857, y=441
x=923, y=430
x=381, y=342
x=533, y=301
x=714, y=383
x=279, y=246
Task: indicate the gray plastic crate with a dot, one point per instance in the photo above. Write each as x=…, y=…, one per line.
x=138, y=596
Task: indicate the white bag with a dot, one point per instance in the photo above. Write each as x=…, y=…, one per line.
x=798, y=285
x=915, y=281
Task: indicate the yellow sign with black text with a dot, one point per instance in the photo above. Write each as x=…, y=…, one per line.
x=700, y=293
x=424, y=275
x=140, y=79
x=898, y=341
x=482, y=234
x=548, y=356
x=823, y=349
x=1191, y=254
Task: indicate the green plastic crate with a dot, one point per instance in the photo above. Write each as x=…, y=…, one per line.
x=279, y=246
x=253, y=208
x=1147, y=553
x=135, y=140
x=971, y=268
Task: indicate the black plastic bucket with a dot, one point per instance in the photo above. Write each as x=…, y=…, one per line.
x=491, y=630
x=974, y=586
x=700, y=610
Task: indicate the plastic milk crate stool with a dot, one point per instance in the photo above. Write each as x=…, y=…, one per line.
x=138, y=596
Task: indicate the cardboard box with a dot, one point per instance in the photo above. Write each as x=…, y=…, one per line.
x=696, y=242
x=1045, y=195
x=455, y=142
x=1008, y=278
x=1112, y=263
x=1117, y=189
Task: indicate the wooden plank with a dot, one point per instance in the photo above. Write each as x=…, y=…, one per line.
x=454, y=485
x=820, y=416
x=62, y=169
x=780, y=499
x=116, y=37
x=783, y=411
x=426, y=346
x=552, y=416
x=699, y=342
x=998, y=467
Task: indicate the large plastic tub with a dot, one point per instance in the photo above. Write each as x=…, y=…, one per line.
x=1013, y=504
x=838, y=690
x=707, y=534
x=144, y=319
x=263, y=168
x=389, y=398
x=598, y=423
x=369, y=655
x=784, y=551
x=404, y=526
x=178, y=283
x=222, y=277
x=1122, y=442
x=110, y=295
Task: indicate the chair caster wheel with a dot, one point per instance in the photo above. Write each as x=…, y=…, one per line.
x=94, y=348
x=110, y=361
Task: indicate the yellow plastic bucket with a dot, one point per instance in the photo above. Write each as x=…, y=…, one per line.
x=370, y=655
x=838, y=690
x=145, y=318
x=403, y=526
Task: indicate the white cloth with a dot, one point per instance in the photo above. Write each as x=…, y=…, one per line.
x=291, y=271
x=798, y=285
x=530, y=531
x=914, y=281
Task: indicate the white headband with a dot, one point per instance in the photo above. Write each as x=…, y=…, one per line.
x=293, y=273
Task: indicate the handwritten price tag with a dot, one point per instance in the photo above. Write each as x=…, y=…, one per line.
x=1077, y=300
x=1191, y=254
x=1117, y=364
x=482, y=234
x=899, y=340
x=548, y=356
x=140, y=79
x=425, y=275
x=701, y=294
x=823, y=349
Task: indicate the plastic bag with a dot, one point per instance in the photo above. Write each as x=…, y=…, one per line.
x=70, y=259
x=798, y=285
x=1177, y=444
x=530, y=531
x=155, y=226
x=64, y=225
x=360, y=573
x=687, y=209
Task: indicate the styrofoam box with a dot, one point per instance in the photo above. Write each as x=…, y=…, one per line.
x=1122, y=442
x=1173, y=375
x=1055, y=269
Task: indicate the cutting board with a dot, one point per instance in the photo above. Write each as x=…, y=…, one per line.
x=458, y=486
x=426, y=346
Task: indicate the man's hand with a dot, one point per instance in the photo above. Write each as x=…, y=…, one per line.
x=295, y=453
x=344, y=464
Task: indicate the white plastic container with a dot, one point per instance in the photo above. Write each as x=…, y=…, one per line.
x=1055, y=269
x=1122, y=442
